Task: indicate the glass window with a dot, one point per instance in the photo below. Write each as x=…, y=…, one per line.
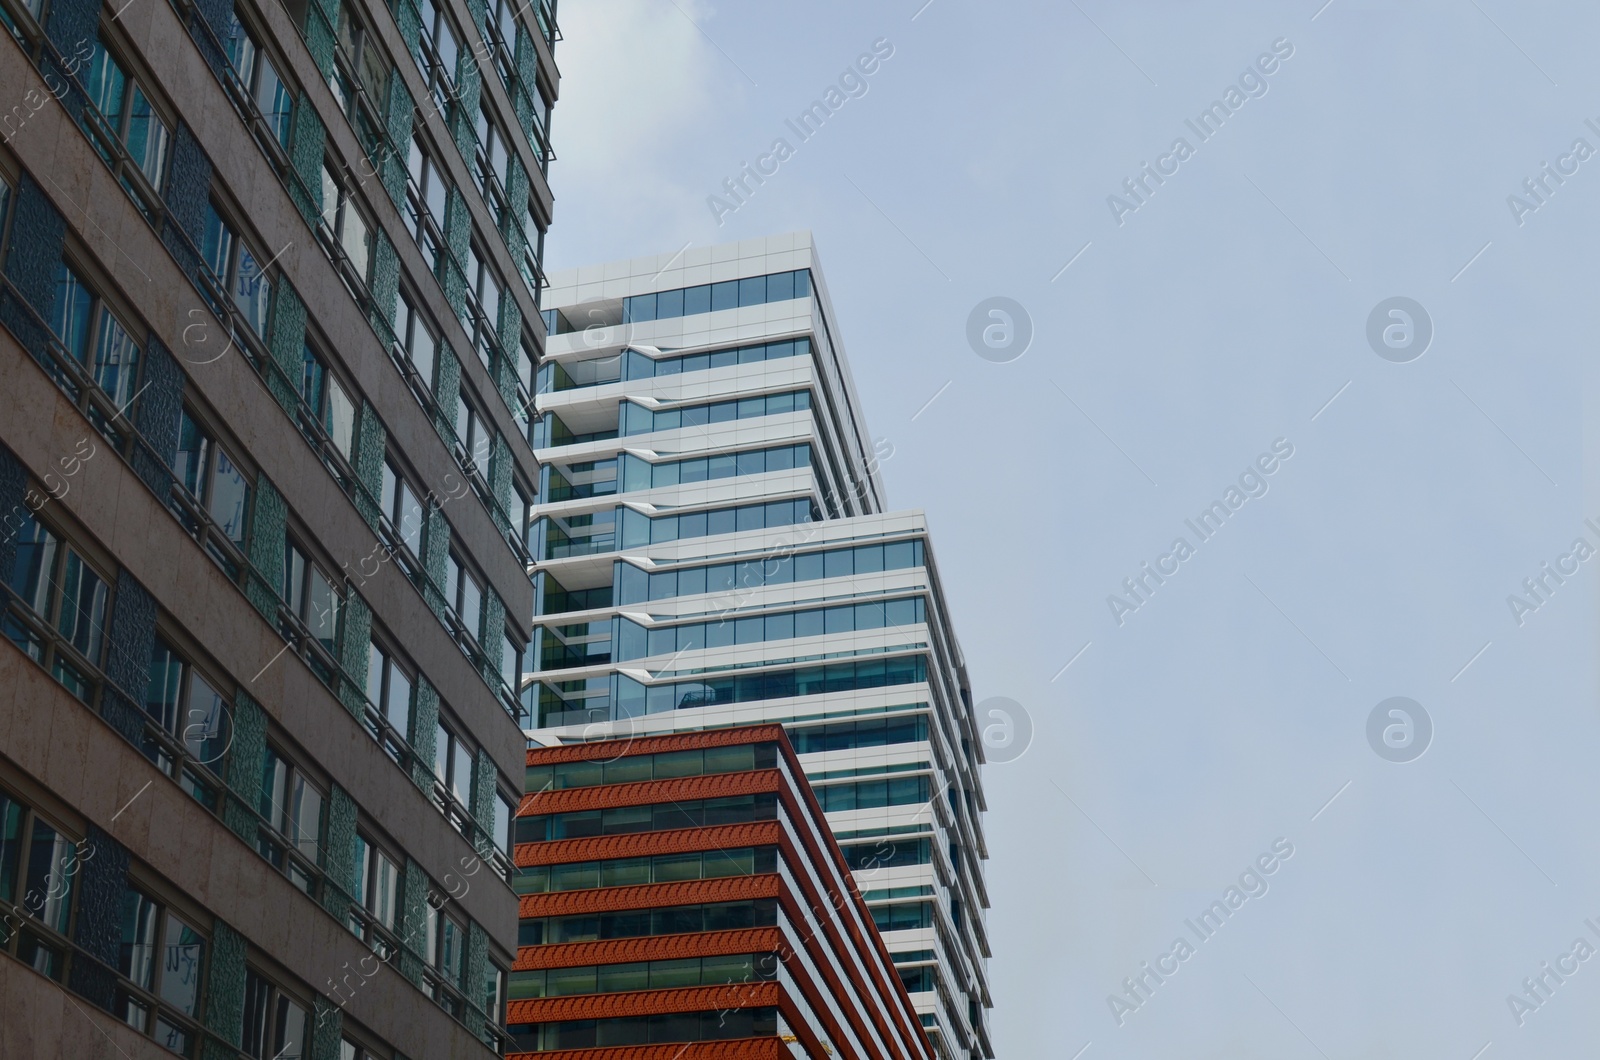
x=237, y=272
x=259, y=78
x=344, y=225
x=275, y=1024
x=94, y=336
x=126, y=116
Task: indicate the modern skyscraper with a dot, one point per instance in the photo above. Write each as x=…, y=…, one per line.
x=683, y=890
x=712, y=550
x=268, y=329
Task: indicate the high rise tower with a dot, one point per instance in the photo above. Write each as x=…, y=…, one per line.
x=268, y=329
x=712, y=549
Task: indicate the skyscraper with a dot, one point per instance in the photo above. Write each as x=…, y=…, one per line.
x=268, y=329
x=712, y=549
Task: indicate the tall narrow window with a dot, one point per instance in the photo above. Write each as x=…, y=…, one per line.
x=237, y=272
x=259, y=80
x=214, y=481
x=122, y=116
x=65, y=592
x=94, y=336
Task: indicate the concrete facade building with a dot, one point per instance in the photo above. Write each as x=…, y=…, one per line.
x=269, y=281
x=712, y=549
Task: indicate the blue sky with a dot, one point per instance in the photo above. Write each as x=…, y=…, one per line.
x=1376, y=161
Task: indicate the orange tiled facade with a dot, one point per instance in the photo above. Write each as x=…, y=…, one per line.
x=683, y=897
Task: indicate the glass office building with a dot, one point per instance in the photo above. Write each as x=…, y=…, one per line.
x=269, y=324
x=712, y=548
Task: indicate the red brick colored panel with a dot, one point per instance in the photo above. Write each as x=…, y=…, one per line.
x=648, y=948
x=639, y=844
x=736, y=1049
x=649, y=896
x=642, y=1003
x=647, y=792
x=606, y=750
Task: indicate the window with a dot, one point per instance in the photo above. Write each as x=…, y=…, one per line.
x=162, y=961
x=629, y=872
x=192, y=728
x=482, y=318
x=464, y=594
x=403, y=510
x=505, y=810
x=327, y=403
x=259, y=80
x=292, y=806
x=711, y=297
x=389, y=697
x=427, y=197
x=452, y=765
x=94, y=337
x=122, y=119
x=314, y=600
x=368, y=70
x=215, y=484
x=439, y=54
x=275, y=1023
x=491, y=161
x=415, y=341
x=474, y=439
x=37, y=867
x=237, y=273
x=70, y=600
x=510, y=664
x=346, y=232
x=377, y=885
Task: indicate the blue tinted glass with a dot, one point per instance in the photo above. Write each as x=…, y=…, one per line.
x=669, y=304
x=751, y=354
x=753, y=517
x=720, y=579
x=808, y=567
x=779, y=403
x=870, y=616
x=869, y=559
x=779, y=571
x=697, y=299
x=723, y=411
x=725, y=295
x=719, y=634
x=839, y=563
x=748, y=630
x=779, y=627
x=692, y=582
x=808, y=624
x=753, y=290
x=780, y=286
x=802, y=283
x=693, y=525
x=696, y=416
x=661, y=586
x=663, y=530
x=897, y=556
x=720, y=522
x=750, y=407
x=698, y=363
x=723, y=358
x=640, y=307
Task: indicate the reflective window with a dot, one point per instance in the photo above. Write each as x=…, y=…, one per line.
x=236, y=271
x=275, y=1024
x=204, y=468
x=65, y=593
x=711, y=297
x=259, y=78
x=122, y=113
x=94, y=336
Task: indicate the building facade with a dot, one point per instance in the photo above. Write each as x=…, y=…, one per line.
x=712, y=549
x=269, y=281
x=685, y=891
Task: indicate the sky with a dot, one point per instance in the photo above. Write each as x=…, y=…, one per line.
x=1361, y=275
